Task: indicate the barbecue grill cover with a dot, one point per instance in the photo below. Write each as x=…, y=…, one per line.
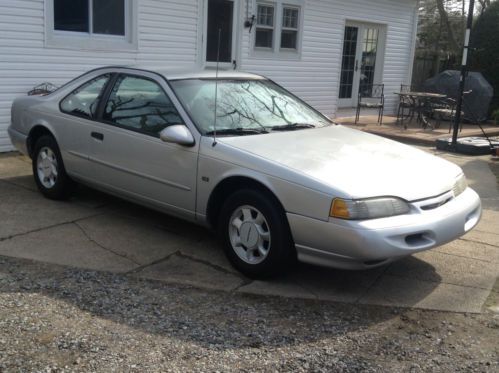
x=476, y=104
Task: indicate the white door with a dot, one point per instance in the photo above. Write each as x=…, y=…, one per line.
x=220, y=33
x=362, y=60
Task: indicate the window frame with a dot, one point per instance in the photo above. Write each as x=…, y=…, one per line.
x=107, y=94
x=285, y=28
x=89, y=40
x=266, y=27
x=276, y=51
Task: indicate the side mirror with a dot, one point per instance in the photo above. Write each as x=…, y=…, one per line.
x=177, y=134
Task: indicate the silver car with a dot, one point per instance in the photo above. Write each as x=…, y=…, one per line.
x=238, y=153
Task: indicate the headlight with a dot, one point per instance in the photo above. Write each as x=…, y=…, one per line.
x=460, y=185
x=372, y=208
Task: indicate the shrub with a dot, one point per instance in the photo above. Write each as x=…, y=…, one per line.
x=495, y=116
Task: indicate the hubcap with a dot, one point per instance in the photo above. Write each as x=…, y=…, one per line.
x=46, y=166
x=249, y=234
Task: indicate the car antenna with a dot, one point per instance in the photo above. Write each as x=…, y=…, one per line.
x=216, y=89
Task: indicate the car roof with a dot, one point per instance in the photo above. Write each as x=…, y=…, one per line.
x=178, y=74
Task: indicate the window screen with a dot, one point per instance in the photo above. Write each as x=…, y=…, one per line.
x=141, y=105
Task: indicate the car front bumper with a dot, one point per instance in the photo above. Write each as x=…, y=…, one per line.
x=370, y=243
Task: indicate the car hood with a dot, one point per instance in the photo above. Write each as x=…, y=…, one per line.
x=354, y=163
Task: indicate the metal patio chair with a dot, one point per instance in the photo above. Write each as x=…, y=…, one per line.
x=407, y=102
x=371, y=97
x=445, y=109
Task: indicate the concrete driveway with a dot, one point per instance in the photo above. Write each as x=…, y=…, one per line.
x=99, y=232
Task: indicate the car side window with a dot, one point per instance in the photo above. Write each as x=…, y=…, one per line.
x=141, y=105
x=84, y=100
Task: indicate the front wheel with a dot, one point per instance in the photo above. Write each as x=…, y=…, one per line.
x=255, y=234
x=48, y=169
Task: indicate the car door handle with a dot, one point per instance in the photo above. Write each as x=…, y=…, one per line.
x=97, y=135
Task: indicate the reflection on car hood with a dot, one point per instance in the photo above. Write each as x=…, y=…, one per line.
x=353, y=162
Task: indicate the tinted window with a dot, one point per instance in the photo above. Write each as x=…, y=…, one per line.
x=141, y=105
x=71, y=15
x=84, y=100
x=109, y=17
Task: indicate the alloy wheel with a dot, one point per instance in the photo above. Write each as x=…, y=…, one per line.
x=249, y=234
x=47, y=168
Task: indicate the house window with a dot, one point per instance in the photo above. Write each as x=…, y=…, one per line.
x=91, y=24
x=90, y=16
x=289, y=31
x=278, y=27
x=264, y=26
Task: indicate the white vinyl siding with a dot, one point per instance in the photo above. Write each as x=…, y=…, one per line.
x=170, y=35
x=167, y=36
x=315, y=75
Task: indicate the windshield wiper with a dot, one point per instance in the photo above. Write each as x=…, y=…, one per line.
x=237, y=131
x=292, y=126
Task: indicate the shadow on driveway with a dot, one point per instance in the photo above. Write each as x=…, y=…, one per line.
x=98, y=232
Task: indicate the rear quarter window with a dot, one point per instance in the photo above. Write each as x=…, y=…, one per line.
x=84, y=100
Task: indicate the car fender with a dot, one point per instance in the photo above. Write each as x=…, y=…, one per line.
x=294, y=198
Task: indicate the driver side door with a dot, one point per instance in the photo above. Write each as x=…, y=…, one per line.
x=129, y=156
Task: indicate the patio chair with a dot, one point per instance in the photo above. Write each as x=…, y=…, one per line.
x=445, y=109
x=406, y=103
x=371, y=97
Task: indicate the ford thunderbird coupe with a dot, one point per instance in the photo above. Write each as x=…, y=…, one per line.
x=238, y=153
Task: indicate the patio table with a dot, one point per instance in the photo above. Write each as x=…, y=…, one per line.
x=421, y=101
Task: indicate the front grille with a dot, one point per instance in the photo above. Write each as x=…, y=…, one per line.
x=435, y=205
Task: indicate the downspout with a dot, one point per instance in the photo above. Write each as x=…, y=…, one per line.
x=412, y=53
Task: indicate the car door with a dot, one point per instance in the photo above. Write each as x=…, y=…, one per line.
x=129, y=156
x=76, y=122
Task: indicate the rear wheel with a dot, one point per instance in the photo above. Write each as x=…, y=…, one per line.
x=255, y=234
x=48, y=169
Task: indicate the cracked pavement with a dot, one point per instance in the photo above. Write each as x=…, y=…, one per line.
x=99, y=232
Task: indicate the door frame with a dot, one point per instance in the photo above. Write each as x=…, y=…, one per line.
x=203, y=32
x=380, y=59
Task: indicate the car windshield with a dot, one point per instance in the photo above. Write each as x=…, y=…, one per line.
x=244, y=106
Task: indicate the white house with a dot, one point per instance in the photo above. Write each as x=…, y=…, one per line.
x=319, y=49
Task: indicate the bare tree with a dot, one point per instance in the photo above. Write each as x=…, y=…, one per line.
x=483, y=5
x=442, y=11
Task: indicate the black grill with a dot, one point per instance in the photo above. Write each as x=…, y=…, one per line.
x=435, y=205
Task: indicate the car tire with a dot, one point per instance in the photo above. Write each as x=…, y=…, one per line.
x=255, y=234
x=48, y=169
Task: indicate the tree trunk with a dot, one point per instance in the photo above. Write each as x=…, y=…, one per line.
x=445, y=20
x=483, y=5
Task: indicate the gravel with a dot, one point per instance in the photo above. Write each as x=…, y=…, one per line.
x=60, y=319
